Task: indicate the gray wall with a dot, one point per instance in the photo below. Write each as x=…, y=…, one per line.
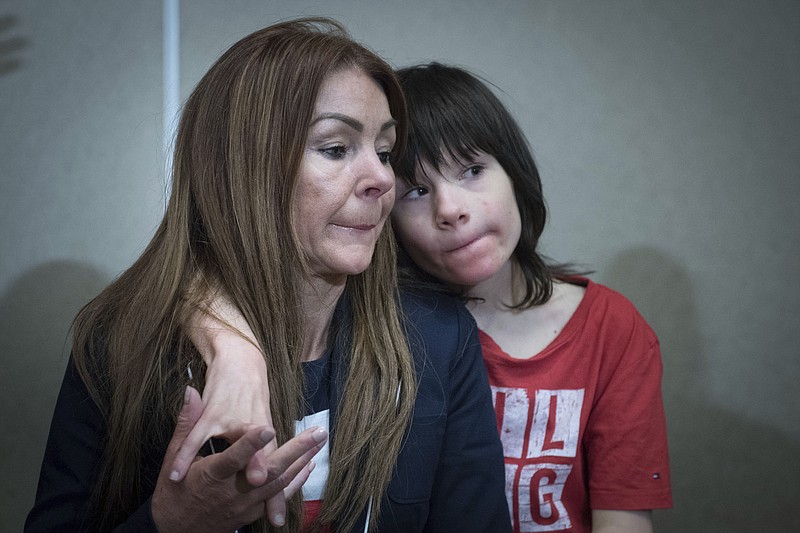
x=667, y=134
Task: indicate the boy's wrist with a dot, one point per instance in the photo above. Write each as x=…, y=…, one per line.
x=229, y=345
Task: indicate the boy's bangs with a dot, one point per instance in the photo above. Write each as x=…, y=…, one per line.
x=437, y=138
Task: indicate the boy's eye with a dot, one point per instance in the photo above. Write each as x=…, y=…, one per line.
x=334, y=152
x=473, y=171
x=415, y=192
x=385, y=157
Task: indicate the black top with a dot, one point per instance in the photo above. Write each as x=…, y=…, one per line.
x=449, y=473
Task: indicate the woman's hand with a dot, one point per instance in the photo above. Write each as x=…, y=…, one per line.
x=215, y=494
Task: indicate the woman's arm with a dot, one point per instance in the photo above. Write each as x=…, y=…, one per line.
x=215, y=484
x=471, y=469
x=467, y=490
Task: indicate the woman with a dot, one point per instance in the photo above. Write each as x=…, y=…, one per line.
x=281, y=188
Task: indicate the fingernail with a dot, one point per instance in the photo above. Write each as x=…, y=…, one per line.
x=265, y=436
x=278, y=519
x=258, y=477
x=311, y=466
x=174, y=475
x=186, y=395
x=319, y=435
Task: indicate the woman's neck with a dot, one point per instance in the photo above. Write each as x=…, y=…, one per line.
x=319, y=299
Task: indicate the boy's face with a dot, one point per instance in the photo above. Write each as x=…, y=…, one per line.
x=460, y=224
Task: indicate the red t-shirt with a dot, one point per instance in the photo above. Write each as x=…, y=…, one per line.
x=582, y=423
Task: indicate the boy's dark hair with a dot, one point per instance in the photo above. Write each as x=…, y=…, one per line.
x=454, y=115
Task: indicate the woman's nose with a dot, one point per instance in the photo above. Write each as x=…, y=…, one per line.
x=376, y=177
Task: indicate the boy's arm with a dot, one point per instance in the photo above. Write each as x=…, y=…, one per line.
x=236, y=392
x=605, y=521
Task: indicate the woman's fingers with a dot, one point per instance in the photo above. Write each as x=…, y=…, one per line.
x=276, y=509
x=215, y=493
x=273, y=461
x=287, y=462
x=289, y=459
x=237, y=456
x=257, y=467
x=286, y=465
x=299, y=480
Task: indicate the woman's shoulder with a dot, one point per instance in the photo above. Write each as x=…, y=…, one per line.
x=436, y=323
x=422, y=306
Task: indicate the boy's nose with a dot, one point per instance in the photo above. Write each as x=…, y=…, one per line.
x=451, y=210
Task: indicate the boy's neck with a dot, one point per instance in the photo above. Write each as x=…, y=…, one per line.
x=522, y=333
x=499, y=291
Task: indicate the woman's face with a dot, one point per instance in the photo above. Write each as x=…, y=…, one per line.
x=345, y=188
x=460, y=224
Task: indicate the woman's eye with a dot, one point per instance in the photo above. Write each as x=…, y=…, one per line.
x=335, y=152
x=385, y=157
x=415, y=192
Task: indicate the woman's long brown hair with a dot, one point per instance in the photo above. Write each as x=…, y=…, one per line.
x=228, y=226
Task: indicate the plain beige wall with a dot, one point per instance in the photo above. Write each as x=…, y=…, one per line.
x=668, y=135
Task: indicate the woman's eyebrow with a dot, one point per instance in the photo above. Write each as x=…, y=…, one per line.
x=388, y=124
x=350, y=121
